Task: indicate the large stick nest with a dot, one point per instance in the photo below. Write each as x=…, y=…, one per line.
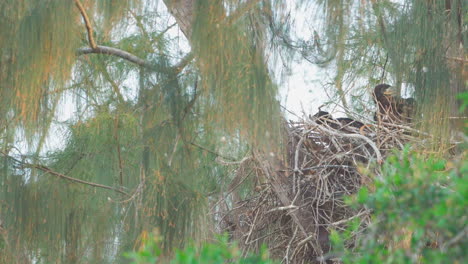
x=298, y=201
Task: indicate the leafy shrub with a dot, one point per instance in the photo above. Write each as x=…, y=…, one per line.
x=218, y=252
x=419, y=213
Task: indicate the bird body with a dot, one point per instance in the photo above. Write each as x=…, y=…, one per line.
x=349, y=122
x=344, y=124
x=325, y=118
x=406, y=109
x=391, y=107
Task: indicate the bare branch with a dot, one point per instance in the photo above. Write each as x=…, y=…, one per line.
x=97, y=49
x=282, y=208
x=52, y=172
x=92, y=43
x=60, y=175
x=134, y=59
x=455, y=239
x=114, y=52
x=183, y=62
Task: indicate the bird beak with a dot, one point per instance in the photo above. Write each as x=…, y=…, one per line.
x=390, y=91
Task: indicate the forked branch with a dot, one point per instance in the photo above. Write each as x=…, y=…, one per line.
x=97, y=49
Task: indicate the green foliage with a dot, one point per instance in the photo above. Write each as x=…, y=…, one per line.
x=218, y=252
x=38, y=40
x=38, y=44
x=161, y=130
x=146, y=139
x=464, y=98
x=241, y=95
x=419, y=209
x=108, y=149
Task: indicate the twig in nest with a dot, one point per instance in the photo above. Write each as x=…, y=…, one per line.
x=282, y=208
x=372, y=144
x=350, y=218
x=286, y=256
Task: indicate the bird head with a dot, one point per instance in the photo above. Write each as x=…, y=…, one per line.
x=382, y=91
x=322, y=114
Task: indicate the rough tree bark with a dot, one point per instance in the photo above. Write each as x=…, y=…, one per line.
x=184, y=14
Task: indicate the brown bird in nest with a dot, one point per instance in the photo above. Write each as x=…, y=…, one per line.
x=349, y=122
x=391, y=107
x=324, y=118
x=344, y=124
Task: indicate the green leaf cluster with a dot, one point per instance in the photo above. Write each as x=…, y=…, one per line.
x=419, y=213
x=220, y=251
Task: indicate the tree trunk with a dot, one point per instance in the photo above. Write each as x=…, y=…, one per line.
x=184, y=14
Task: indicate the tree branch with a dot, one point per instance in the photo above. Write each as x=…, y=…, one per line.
x=52, y=172
x=457, y=59
x=114, y=52
x=184, y=13
x=92, y=43
x=97, y=49
x=134, y=59
x=60, y=175
x=183, y=62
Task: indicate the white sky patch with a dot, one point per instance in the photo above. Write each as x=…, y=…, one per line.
x=57, y=134
x=303, y=91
